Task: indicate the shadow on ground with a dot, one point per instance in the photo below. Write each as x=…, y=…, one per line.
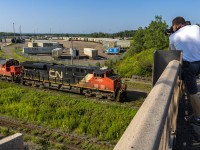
x=135, y=95
x=188, y=135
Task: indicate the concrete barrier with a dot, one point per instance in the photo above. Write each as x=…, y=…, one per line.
x=13, y=142
x=154, y=125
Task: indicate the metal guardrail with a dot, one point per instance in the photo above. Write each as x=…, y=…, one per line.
x=154, y=125
x=161, y=59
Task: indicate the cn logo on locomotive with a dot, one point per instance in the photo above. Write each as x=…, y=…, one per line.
x=55, y=74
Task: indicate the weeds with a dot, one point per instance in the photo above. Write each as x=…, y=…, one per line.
x=59, y=110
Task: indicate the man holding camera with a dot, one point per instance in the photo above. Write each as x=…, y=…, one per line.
x=187, y=38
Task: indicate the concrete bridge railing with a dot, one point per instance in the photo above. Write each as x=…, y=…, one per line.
x=154, y=125
x=13, y=142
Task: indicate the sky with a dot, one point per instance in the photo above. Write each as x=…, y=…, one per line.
x=88, y=16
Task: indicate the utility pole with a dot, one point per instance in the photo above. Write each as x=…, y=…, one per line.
x=50, y=34
x=72, y=52
x=5, y=36
x=20, y=31
x=14, y=31
x=34, y=35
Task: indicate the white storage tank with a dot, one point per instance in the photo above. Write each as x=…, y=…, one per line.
x=92, y=53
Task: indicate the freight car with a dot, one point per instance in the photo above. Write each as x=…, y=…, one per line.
x=90, y=81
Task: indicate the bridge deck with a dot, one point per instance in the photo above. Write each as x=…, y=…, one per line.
x=188, y=135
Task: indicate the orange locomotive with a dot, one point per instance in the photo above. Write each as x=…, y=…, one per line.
x=104, y=80
x=10, y=69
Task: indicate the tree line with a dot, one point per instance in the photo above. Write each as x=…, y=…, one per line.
x=121, y=34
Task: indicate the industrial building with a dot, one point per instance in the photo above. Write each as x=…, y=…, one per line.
x=43, y=43
x=42, y=47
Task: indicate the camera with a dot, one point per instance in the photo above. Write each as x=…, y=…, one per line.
x=188, y=23
x=169, y=31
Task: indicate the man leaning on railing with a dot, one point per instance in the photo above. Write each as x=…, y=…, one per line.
x=187, y=38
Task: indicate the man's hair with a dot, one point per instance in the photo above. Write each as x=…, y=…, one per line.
x=178, y=20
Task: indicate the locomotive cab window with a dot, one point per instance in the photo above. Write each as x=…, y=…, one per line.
x=99, y=75
x=110, y=73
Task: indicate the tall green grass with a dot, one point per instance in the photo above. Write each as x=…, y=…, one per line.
x=70, y=113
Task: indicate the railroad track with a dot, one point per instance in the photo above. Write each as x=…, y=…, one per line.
x=27, y=128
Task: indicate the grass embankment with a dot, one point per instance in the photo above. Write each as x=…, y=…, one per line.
x=68, y=112
x=139, y=86
x=1, y=53
x=15, y=53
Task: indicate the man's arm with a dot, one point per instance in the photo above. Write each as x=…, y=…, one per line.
x=171, y=43
x=172, y=47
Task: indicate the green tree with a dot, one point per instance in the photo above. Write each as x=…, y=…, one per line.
x=138, y=41
x=150, y=37
x=139, y=58
x=154, y=34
